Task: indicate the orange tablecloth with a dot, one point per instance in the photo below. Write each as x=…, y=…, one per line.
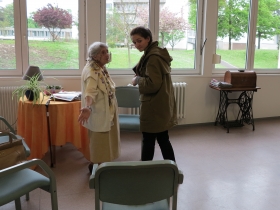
x=64, y=127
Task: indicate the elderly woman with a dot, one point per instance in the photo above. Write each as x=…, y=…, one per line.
x=99, y=113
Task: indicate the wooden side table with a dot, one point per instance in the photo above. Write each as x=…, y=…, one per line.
x=64, y=127
x=244, y=101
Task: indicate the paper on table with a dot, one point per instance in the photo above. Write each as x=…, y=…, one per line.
x=68, y=95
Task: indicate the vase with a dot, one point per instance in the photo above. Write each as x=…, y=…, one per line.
x=29, y=95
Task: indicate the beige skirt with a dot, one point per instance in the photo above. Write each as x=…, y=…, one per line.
x=105, y=146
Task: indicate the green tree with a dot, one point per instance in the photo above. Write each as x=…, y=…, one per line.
x=232, y=18
x=31, y=23
x=268, y=24
x=7, y=16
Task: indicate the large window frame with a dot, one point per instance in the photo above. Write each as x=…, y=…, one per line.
x=92, y=20
x=21, y=43
x=251, y=40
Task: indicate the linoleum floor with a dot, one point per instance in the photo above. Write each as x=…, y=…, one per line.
x=239, y=170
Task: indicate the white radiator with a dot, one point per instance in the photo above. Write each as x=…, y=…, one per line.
x=8, y=107
x=180, y=94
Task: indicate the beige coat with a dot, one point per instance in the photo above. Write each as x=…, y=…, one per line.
x=101, y=115
x=158, y=107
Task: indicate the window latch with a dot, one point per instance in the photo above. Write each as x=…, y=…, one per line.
x=201, y=49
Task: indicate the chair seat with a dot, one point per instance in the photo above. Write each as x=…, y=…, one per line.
x=129, y=122
x=17, y=184
x=4, y=139
x=159, y=205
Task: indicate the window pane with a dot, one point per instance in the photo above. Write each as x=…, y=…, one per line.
x=7, y=36
x=177, y=31
x=53, y=34
x=267, y=36
x=233, y=16
x=121, y=17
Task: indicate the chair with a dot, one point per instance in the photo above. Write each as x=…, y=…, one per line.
x=6, y=138
x=136, y=185
x=18, y=180
x=128, y=97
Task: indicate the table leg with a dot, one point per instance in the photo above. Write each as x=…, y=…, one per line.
x=245, y=104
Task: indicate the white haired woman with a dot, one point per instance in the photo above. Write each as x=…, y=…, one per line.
x=99, y=113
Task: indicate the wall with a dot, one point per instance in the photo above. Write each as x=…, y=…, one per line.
x=202, y=101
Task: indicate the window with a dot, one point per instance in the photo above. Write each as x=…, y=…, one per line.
x=232, y=28
x=120, y=19
x=248, y=35
x=170, y=24
x=31, y=39
x=244, y=32
x=7, y=38
x=177, y=32
x=267, y=35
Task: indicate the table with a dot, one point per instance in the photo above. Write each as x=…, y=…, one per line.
x=244, y=101
x=64, y=127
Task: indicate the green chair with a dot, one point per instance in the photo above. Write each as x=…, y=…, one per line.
x=19, y=180
x=128, y=97
x=136, y=185
x=5, y=138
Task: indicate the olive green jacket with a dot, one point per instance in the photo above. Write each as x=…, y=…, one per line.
x=158, y=107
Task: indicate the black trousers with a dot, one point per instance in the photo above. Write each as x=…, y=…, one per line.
x=148, y=146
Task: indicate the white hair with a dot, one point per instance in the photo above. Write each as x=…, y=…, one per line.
x=94, y=49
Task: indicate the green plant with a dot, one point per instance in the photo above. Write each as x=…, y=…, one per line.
x=33, y=85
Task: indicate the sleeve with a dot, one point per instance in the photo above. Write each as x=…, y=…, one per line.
x=152, y=80
x=91, y=88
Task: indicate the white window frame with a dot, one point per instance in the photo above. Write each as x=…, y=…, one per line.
x=21, y=43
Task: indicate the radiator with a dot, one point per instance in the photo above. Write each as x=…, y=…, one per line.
x=180, y=94
x=8, y=107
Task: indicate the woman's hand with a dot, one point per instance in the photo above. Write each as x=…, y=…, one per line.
x=84, y=115
x=134, y=80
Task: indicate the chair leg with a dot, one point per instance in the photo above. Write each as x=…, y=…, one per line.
x=27, y=196
x=17, y=204
x=54, y=200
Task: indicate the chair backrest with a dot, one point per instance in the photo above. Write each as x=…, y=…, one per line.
x=136, y=182
x=128, y=96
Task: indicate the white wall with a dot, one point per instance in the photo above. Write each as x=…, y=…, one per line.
x=202, y=101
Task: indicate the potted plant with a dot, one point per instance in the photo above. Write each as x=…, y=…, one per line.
x=50, y=89
x=32, y=89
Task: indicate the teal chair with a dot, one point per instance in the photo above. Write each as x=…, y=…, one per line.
x=5, y=138
x=128, y=97
x=136, y=185
x=19, y=180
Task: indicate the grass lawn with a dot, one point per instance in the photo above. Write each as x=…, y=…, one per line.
x=64, y=55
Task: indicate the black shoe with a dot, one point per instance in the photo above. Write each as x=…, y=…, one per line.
x=90, y=166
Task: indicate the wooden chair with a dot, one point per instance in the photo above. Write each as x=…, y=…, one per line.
x=136, y=185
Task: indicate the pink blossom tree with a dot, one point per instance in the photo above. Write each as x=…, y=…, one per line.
x=172, y=26
x=53, y=18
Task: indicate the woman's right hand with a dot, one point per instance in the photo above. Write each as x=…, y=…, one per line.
x=84, y=115
x=134, y=81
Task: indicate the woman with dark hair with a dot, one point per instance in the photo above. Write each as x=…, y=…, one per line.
x=100, y=109
x=158, y=108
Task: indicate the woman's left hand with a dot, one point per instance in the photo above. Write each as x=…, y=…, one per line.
x=84, y=115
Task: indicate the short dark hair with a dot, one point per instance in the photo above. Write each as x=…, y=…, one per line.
x=143, y=32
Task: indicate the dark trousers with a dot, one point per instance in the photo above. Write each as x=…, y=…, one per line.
x=148, y=146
